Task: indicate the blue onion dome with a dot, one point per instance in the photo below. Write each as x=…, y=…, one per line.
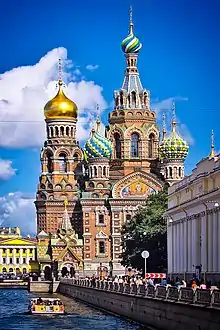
x=131, y=44
x=98, y=145
x=173, y=147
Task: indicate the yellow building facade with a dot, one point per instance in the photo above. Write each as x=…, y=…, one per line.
x=17, y=254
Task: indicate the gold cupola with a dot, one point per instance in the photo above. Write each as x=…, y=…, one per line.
x=60, y=107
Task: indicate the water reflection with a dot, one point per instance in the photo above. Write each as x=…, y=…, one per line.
x=13, y=315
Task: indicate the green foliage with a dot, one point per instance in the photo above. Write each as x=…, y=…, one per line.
x=147, y=230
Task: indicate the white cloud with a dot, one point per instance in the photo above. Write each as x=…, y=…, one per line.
x=6, y=169
x=25, y=90
x=92, y=67
x=165, y=106
x=18, y=210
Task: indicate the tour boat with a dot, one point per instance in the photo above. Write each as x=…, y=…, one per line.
x=46, y=306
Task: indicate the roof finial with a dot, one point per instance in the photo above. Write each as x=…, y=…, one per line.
x=212, y=152
x=98, y=119
x=131, y=22
x=60, y=80
x=173, y=117
x=65, y=202
x=164, y=126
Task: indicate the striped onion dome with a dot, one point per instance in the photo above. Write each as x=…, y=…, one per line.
x=97, y=146
x=131, y=44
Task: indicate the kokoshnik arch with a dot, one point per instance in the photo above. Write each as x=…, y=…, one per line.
x=107, y=180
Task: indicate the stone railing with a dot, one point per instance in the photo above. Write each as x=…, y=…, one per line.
x=185, y=295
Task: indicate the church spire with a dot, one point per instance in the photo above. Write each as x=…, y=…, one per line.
x=173, y=124
x=66, y=224
x=212, y=152
x=132, y=94
x=164, y=126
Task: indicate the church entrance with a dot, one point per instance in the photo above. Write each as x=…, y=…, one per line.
x=47, y=273
x=68, y=270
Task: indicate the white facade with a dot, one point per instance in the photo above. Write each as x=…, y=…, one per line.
x=193, y=222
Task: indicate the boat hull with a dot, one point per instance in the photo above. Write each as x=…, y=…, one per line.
x=46, y=313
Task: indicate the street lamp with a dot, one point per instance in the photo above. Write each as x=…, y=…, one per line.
x=110, y=267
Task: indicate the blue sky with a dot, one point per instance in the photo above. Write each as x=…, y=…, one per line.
x=179, y=59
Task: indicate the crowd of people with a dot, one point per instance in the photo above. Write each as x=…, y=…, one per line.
x=177, y=282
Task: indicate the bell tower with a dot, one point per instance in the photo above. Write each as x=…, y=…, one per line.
x=60, y=164
x=133, y=127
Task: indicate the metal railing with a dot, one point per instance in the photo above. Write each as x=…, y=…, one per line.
x=203, y=297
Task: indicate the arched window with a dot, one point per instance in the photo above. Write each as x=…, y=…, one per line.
x=133, y=98
x=104, y=171
x=151, y=145
x=62, y=162
x=134, y=145
x=56, y=131
x=95, y=171
x=170, y=172
x=49, y=163
x=62, y=130
x=67, y=131
x=101, y=247
x=117, y=145
x=121, y=99
x=180, y=172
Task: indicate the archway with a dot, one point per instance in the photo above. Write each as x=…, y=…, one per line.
x=72, y=271
x=47, y=273
x=64, y=271
x=10, y=270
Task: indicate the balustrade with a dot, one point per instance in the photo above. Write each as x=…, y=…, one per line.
x=185, y=295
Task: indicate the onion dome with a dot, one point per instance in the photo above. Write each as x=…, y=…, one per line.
x=173, y=147
x=131, y=44
x=98, y=145
x=60, y=106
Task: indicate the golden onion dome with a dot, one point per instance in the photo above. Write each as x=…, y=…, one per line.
x=60, y=106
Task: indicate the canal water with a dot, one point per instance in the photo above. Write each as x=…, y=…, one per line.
x=14, y=316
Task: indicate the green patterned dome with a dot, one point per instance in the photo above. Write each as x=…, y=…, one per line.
x=173, y=147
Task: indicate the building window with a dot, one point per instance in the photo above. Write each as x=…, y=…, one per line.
x=10, y=260
x=101, y=247
x=134, y=145
x=24, y=250
x=4, y=250
x=4, y=270
x=49, y=163
x=128, y=217
x=62, y=163
x=4, y=260
x=151, y=145
x=117, y=145
x=31, y=250
x=24, y=260
x=17, y=260
x=17, y=250
x=11, y=250
x=101, y=219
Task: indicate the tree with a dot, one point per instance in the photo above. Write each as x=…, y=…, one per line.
x=147, y=230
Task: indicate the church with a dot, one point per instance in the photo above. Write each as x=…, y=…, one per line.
x=85, y=194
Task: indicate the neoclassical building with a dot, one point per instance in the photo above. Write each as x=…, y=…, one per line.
x=106, y=181
x=193, y=222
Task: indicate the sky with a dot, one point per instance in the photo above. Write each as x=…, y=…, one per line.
x=179, y=61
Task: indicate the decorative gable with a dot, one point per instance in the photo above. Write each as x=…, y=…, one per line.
x=101, y=235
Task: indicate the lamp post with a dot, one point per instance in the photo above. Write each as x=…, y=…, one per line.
x=110, y=268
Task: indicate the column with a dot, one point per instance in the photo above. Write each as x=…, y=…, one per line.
x=210, y=241
x=7, y=256
x=174, y=247
x=178, y=247
x=20, y=256
x=14, y=256
x=185, y=246
x=194, y=241
x=218, y=248
x=169, y=247
x=1, y=259
x=189, y=264
x=215, y=242
x=181, y=248
x=204, y=251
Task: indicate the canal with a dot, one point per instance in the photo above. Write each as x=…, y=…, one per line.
x=14, y=316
